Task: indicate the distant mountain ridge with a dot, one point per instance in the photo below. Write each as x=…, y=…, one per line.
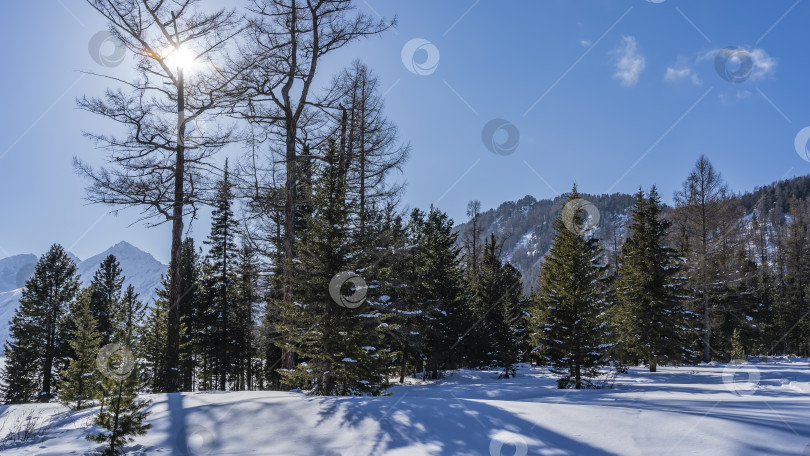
x=525, y=226
x=141, y=270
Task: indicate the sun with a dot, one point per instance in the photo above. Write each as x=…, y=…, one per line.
x=181, y=58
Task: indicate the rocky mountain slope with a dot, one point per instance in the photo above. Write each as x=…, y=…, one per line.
x=525, y=226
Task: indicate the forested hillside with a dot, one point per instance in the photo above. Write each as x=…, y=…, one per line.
x=524, y=227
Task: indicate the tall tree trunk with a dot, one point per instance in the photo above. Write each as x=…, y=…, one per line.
x=403, y=365
x=288, y=356
x=176, y=282
x=224, y=309
x=47, y=367
x=363, y=164
x=707, y=320
x=707, y=328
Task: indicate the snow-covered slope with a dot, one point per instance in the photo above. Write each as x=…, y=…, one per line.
x=8, y=304
x=717, y=410
x=141, y=270
x=15, y=270
x=525, y=227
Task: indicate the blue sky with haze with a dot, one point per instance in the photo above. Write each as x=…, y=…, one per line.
x=610, y=94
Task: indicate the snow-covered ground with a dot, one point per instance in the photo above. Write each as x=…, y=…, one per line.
x=752, y=409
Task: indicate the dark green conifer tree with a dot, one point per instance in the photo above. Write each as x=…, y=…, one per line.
x=338, y=347
x=421, y=308
x=128, y=314
x=37, y=349
x=218, y=281
x=78, y=385
x=439, y=292
x=567, y=324
x=122, y=414
x=395, y=277
x=152, y=335
x=247, y=296
x=106, y=286
x=20, y=375
x=153, y=340
x=651, y=320
x=495, y=303
x=193, y=313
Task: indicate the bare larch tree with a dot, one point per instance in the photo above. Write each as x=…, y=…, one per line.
x=287, y=39
x=161, y=162
x=704, y=223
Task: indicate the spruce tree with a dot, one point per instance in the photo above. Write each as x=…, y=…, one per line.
x=651, y=320
x=37, y=348
x=154, y=332
x=218, y=281
x=439, y=292
x=402, y=313
x=422, y=306
x=567, y=323
x=338, y=347
x=246, y=298
x=193, y=313
x=128, y=314
x=121, y=414
x=21, y=379
x=106, y=286
x=153, y=340
x=495, y=300
x=737, y=349
x=78, y=384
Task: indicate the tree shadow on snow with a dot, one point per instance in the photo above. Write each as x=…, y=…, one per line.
x=443, y=426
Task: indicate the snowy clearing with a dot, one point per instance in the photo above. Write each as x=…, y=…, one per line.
x=752, y=409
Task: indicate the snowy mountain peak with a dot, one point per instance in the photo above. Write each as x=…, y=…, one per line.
x=123, y=251
x=140, y=269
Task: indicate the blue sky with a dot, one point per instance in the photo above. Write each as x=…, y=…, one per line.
x=610, y=94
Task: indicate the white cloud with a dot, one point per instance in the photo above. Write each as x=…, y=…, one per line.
x=674, y=74
x=679, y=73
x=629, y=63
x=584, y=43
x=762, y=65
